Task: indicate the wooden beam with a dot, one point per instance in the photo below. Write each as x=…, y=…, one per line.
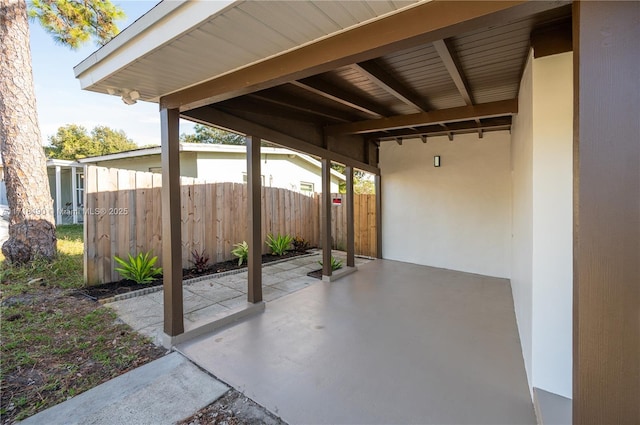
x=254, y=208
x=351, y=249
x=606, y=273
x=331, y=92
x=171, y=223
x=420, y=24
x=388, y=83
x=553, y=39
x=440, y=116
x=325, y=213
x=454, y=69
x=461, y=127
x=213, y=116
x=297, y=104
x=378, y=190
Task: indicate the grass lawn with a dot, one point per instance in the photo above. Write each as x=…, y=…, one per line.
x=54, y=345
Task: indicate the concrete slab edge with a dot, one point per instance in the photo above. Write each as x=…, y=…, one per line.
x=339, y=274
x=211, y=325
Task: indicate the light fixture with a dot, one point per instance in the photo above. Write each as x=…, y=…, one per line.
x=129, y=97
x=436, y=161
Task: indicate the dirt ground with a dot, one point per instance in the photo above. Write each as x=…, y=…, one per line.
x=233, y=409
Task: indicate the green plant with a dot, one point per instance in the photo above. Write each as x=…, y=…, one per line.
x=300, y=244
x=139, y=268
x=200, y=260
x=279, y=244
x=335, y=263
x=241, y=251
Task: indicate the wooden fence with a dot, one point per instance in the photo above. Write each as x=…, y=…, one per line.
x=123, y=214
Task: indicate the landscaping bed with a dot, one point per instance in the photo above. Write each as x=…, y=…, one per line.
x=111, y=289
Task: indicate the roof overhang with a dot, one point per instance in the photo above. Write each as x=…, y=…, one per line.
x=333, y=79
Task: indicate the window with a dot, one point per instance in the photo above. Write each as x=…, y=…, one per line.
x=306, y=187
x=79, y=188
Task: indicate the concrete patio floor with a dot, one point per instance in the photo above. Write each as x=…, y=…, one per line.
x=393, y=343
x=217, y=295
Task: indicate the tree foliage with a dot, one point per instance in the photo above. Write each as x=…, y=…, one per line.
x=74, y=142
x=73, y=22
x=212, y=135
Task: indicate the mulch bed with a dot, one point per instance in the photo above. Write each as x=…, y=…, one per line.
x=316, y=273
x=111, y=289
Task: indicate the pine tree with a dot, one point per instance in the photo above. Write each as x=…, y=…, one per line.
x=71, y=22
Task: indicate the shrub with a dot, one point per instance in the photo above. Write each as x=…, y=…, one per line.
x=300, y=244
x=200, y=260
x=335, y=263
x=241, y=251
x=279, y=244
x=139, y=268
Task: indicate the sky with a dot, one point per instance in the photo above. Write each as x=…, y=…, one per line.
x=60, y=101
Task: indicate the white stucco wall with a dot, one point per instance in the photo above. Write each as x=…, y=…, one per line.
x=542, y=256
x=457, y=216
x=553, y=223
x=522, y=211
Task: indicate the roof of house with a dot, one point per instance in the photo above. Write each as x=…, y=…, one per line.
x=200, y=147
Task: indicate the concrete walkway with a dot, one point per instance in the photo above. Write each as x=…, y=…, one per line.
x=217, y=295
x=164, y=391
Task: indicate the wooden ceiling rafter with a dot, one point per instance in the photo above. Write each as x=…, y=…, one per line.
x=329, y=91
x=439, y=116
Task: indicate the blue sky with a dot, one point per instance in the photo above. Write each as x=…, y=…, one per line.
x=60, y=100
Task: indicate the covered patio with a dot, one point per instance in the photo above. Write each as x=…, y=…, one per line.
x=378, y=86
x=392, y=343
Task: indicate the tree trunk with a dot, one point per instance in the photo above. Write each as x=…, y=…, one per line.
x=31, y=225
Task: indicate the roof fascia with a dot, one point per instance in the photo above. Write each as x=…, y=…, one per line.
x=159, y=26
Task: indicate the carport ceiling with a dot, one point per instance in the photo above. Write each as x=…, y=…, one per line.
x=378, y=71
x=464, y=84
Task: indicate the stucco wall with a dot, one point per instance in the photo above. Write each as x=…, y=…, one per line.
x=457, y=216
x=542, y=255
x=278, y=170
x=522, y=193
x=553, y=223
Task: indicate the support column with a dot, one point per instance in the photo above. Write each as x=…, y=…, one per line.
x=74, y=195
x=378, y=188
x=171, y=230
x=325, y=213
x=606, y=281
x=351, y=249
x=58, y=195
x=254, y=207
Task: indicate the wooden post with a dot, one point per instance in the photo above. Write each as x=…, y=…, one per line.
x=171, y=232
x=325, y=212
x=378, y=189
x=351, y=249
x=254, y=207
x=606, y=325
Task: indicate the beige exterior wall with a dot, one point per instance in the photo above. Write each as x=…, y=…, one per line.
x=542, y=265
x=188, y=167
x=457, y=216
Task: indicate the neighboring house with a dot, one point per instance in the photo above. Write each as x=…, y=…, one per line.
x=282, y=168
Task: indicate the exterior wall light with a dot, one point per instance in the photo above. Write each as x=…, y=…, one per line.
x=436, y=161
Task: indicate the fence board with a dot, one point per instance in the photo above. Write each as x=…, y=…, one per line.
x=124, y=215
